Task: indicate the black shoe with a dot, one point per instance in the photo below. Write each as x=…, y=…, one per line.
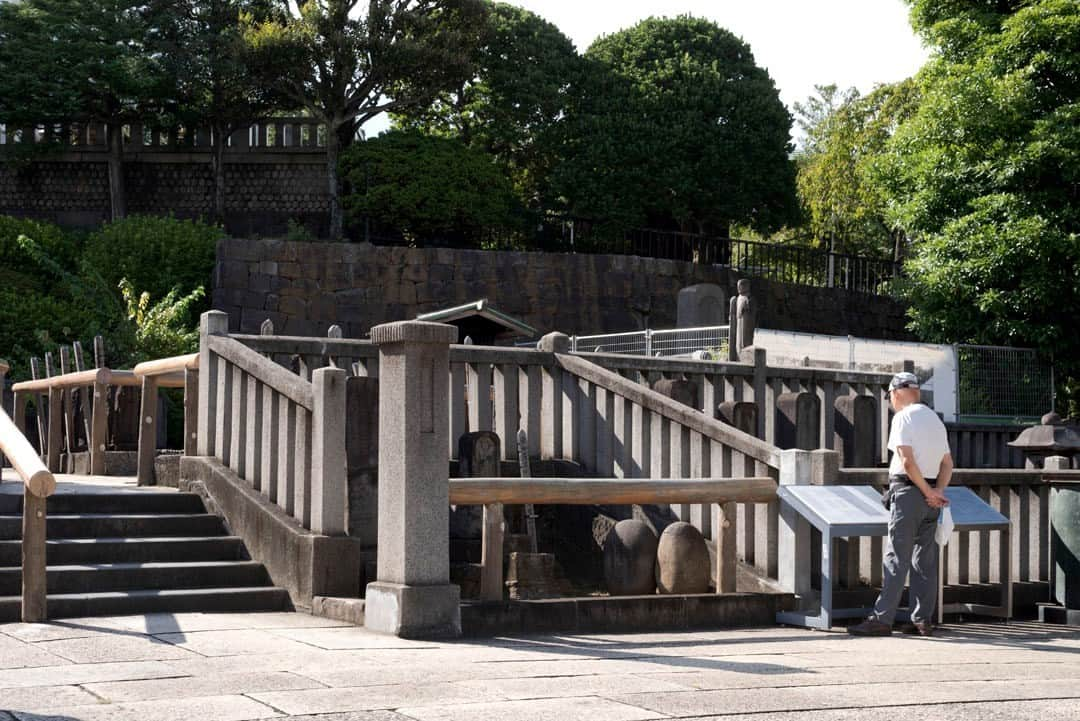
x=870, y=627
x=922, y=628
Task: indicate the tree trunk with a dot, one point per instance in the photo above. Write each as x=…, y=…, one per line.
x=117, y=204
x=333, y=152
x=218, y=162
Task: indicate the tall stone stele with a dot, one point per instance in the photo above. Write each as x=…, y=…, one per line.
x=741, y=321
x=413, y=596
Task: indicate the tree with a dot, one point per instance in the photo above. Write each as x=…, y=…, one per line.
x=842, y=199
x=675, y=124
x=986, y=176
x=511, y=107
x=427, y=188
x=345, y=67
x=81, y=61
x=201, y=48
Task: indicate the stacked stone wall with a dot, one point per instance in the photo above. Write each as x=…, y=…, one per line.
x=263, y=191
x=305, y=287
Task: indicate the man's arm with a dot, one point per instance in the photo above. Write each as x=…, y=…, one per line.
x=935, y=498
x=945, y=472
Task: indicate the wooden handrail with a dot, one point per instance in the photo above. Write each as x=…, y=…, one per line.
x=37, y=478
x=102, y=376
x=671, y=409
x=620, y=491
x=166, y=366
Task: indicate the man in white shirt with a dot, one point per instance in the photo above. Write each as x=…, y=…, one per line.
x=920, y=470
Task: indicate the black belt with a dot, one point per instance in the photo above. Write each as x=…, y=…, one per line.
x=901, y=479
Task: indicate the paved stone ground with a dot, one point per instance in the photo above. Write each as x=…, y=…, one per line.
x=228, y=667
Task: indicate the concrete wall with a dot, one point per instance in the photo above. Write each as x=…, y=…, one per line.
x=263, y=190
x=305, y=287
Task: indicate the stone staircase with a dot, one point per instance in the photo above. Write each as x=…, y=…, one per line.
x=127, y=551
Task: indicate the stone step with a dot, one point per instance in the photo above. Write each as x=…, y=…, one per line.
x=102, y=577
x=94, y=525
x=123, y=502
x=62, y=551
x=121, y=603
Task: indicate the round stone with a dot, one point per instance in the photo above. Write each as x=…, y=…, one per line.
x=682, y=560
x=629, y=556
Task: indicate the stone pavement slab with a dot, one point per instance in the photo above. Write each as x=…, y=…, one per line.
x=222, y=667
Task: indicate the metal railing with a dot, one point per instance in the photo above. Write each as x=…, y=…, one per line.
x=671, y=342
x=999, y=384
x=270, y=134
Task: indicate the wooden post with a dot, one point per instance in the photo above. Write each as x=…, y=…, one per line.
x=39, y=406
x=80, y=366
x=191, y=412
x=56, y=428
x=99, y=429
x=329, y=485
x=148, y=422
x=34, y=601
x=479, y=455
x=726, y=535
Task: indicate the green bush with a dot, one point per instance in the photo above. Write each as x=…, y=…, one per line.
x=156, y=254
x=427, y=188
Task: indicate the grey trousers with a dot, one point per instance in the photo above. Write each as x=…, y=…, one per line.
x=912, y=548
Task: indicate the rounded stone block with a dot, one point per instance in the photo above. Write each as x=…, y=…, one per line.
x=629, y=559
x=682, y=560
x=413, y=331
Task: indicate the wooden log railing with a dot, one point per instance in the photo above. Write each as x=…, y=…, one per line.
x=276, y=430
x=494, y=493
x=38, y=484
x=61, y=391
x=176, y=372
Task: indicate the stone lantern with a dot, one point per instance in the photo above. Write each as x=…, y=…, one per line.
x=1052, y=446
x=1051, y=438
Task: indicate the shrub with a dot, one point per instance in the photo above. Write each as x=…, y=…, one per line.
x=156, y=254
x=427, y=187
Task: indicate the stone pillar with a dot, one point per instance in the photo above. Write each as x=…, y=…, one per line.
x=798, y=421
x=855, y=423
x=796, y=469
x=212, y=322
x=413, y=596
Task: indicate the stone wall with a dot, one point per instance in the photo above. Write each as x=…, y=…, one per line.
x=305, y=287
x=263, y=190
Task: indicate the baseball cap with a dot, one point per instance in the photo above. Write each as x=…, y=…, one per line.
x=903, y=380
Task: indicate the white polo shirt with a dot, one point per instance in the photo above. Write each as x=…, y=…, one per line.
x=919, y=427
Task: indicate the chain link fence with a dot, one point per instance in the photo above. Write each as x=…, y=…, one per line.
x=997, y=384
x=677, y=341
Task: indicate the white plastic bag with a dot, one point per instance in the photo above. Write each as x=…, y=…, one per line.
x=945, y=526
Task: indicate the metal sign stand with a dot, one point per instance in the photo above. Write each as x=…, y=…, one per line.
x=852, y=511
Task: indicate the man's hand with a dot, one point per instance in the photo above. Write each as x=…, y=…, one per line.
x=936, y=499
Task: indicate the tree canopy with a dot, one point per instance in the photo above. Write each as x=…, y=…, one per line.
x=986, y=174
x=511, y=107
x=426, y=188
x=345, y=65
x=675, y=125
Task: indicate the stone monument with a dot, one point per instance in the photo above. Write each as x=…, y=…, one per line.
x=741, y=321
x=700, y=306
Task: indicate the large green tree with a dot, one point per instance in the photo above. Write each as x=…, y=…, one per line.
x=674, y=124
x=346, y=62
x=845, y=135
x=511, y=107
x=81, y=61
x=986, y=176
x=200, y=46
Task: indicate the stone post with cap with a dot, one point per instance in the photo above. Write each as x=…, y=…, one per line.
x=413, y=596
